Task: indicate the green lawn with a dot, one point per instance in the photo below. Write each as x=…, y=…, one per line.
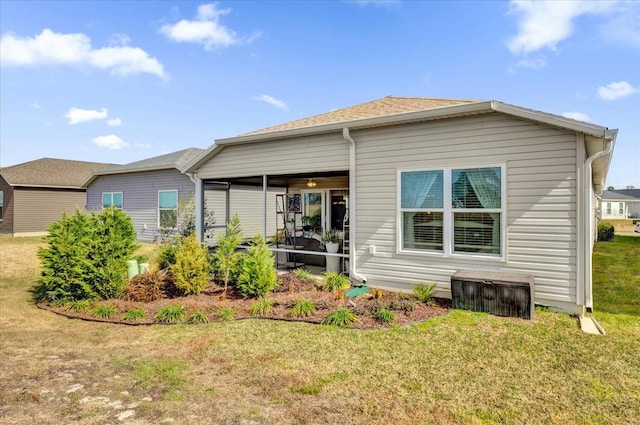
x=461, y=368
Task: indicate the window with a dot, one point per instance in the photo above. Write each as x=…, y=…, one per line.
x=168, y=209
x=112, y=199
x=452, y=211
x=1, y=205
x=621, y=209
x=608, y=208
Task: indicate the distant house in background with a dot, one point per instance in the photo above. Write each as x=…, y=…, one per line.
x=35, y=193
x=620, y=204
x=148, y=190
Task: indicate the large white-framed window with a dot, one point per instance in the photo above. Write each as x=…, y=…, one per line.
x=112, y=199
x=608, y=208
x=167, y=209
x=452, y=211
x=621, y=208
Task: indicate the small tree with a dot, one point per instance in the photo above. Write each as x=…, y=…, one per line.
x=191, y=269
x=258, y=274
x=225, y=258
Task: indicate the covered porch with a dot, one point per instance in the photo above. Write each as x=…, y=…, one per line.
x=291, y=211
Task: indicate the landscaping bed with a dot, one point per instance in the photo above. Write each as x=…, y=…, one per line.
x=215, y=306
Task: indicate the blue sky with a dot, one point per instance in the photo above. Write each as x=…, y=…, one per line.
x=121, y=81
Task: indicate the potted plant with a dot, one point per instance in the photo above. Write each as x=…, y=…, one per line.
x=306, y=225
x=290, y=224
x=331, y=239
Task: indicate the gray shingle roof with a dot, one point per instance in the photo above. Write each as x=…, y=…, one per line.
x=621, y=195
x=51, y=172
x=170, y=160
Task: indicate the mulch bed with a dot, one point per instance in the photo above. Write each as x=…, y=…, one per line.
x=406, y=309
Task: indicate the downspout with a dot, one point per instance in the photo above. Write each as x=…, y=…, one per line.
x=609, y=137
x=352, y=207
x=199, y=206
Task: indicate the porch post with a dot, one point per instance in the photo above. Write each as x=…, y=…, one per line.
x=265, y=186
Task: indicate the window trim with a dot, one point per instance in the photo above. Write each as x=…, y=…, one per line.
x=112, y=206
x=448, y=212
x=158, y=209
x=2, y=205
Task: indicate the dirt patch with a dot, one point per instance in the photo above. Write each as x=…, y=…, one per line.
x=405, y=308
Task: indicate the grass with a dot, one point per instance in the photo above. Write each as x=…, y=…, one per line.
x=461, y=368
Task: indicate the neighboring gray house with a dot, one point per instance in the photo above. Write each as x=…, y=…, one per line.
x=434, y=186
x=148, y=190
x=620, y=204
x=36, y=193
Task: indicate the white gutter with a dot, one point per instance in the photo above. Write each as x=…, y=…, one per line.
x=199, y=205
x=610, y=137
x=352, y=207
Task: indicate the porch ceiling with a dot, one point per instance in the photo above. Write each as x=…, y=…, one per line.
x=279, y=180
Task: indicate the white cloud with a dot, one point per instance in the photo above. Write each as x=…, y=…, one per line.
x=110, y=142
x=273, y=101
x=535, y=63
x=543, y=24
x=577, y=116
x=114, y=122
x=616, y=90
x=35, y=105
x=50, y=48
x=205, y=29
x=77, y=115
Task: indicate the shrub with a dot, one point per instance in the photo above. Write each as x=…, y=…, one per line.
x=303, y=308
x=86, y=255
x=198, y=317
x=342, y=317
x=148, y=286
x=226, y=261
x=171, y=314
x=262, y=307
x=135, y=314
x=226, y=314
x=335, y=282
x=167, y=252
x=424, y=293
x=605, y=232
x=303, y=274
x=104, y=311
x=405, y=305
x=258, y=275
x=385, y=316
x=191, y=270
x=78, y=306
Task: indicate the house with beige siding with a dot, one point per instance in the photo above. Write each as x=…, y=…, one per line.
x=151, y=190
x=420, y=188
x=36, y=193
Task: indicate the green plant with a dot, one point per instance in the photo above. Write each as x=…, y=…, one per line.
x=385, y=316
x=341, y=316
x=605, y=232
x=86, y=255
x=258, y=275
x=405, y=305
x=104, y=311
x=198, y=317
x=226, y=314
x=78, y=306
x=226, y=260
x=171, y=314
x=148, y=286
x=335, y=282
x=331, y=236
x=191, y=270
x=134, y=314
x=303, y=274
x=424, y=293
x=303, y=308
x=262, y=307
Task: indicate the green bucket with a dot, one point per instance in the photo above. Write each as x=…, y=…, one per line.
x=132, y=268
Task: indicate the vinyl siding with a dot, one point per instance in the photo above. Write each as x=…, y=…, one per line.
x=314, y=153
x=6, y=224
x=34, y=209
x=541, y=199
x=140, y=196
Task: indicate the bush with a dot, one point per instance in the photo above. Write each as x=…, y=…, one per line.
x=149, y=286
x=104, y=311
x=167, y=252
x=134, y=314
x=262, y=307
x=424, y=293
x=226, y=261
x=303, y=308
x=258, y=276
x=335, y=282
x=225, y=314
x=385, y=316
x=198, y=317
x=605, y=232
x=171, y=314
x=86, y=256
x=191, y=270
x=342, y=317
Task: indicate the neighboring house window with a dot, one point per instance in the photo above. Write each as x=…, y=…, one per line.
x=168, y=209
x=1, y=205
x=452, y=210
x=621, y=209
x=608, y=208
x=112, y=199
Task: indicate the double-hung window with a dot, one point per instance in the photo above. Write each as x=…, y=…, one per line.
x=452, y=211
x=1, y=204
x=112, y=200
x=168, y=209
